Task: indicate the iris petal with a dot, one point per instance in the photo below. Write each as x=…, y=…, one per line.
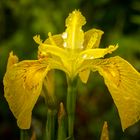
x=123, y=82
x=92, y=38
x=22, y=87
x=75, y=34
x=97, y=53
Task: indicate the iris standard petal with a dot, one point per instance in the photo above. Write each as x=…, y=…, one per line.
x=74, y=33
x=92, y=38
x=22, y=87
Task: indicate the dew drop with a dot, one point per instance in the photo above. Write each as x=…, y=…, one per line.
x=65, y=44
x=91, y=57
x=84, y=56
x=64, y=35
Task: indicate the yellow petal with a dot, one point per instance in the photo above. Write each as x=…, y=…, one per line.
x=92, y=38
x=74, y=36
x=48, y=90
x=104, y=134
x=84, y=75
x=123, y=82
x=22, y=87
x=97, y=53
x=56, y=40
x=12, y=60
x=52, y=49
x=37, y=39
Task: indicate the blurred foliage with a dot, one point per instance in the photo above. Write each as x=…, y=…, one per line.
x=20, y=20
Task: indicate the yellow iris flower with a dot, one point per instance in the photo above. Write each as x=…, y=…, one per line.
x=76, y=53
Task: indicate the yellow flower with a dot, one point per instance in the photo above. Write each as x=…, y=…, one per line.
x=76, y=53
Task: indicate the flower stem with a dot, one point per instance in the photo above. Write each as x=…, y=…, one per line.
x=71, y=102
x=23, y=135
x=50, y=125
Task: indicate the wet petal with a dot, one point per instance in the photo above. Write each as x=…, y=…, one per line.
x=97, y=53
x=123, y=82
x=12, y=60
x=50, y=46
x=55, y=39
x=37, y=39
x=22, y=87
x=74, y=34
x=92, y=38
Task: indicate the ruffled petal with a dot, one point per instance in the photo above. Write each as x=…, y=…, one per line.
x=52, y=51
x=123, y=82
x=74, y=35
x=86, y=58
x=92, y=38
x=12, y=60
x=37, y=39
x=22, y=87
x=56, y=40
x=97, y=53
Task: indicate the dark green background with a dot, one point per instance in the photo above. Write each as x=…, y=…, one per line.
x=20, y=20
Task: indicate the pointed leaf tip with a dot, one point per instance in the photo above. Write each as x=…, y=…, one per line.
x=104, y=134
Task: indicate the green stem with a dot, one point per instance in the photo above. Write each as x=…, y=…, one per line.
x=23, y=135
x=50, y=125
x=71, y=102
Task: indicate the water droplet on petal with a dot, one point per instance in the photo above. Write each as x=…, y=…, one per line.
x=91, y=57
x=84, y=56
x=65, y=44
x=64, y=35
